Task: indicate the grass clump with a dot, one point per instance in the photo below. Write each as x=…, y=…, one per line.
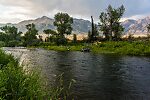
x=15, y=84
x=18, y=84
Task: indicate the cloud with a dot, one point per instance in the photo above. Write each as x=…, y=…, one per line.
x=25, y=9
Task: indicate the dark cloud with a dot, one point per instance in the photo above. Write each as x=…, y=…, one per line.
x=79, y=8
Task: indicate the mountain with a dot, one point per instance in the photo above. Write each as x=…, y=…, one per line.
x=128, y=23
x=79, y=25
x=41, y=24
x=137, y=27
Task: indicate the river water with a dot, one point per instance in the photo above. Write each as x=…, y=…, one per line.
x=98, y=76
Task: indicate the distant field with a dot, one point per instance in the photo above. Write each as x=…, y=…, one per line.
x=79, y=36
x=70, y=37
x=85, y=36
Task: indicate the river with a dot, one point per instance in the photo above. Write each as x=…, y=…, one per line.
x=98, y=76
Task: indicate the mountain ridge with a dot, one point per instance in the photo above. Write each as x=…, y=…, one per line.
x=83, y=26
x=44, y=22
x=137, y=27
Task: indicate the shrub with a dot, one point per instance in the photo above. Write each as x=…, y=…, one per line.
x=2, y=44
x=61, y=41
x=13, y=43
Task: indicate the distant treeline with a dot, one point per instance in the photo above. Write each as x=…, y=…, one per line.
x=109, y=25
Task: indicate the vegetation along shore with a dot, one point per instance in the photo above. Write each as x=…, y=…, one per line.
x=135, y=48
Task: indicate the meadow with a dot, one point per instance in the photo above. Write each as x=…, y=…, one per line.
x=138, y=48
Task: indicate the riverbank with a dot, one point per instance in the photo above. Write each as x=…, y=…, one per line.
x=15, y=83
x=137, y=48
x=18, y=83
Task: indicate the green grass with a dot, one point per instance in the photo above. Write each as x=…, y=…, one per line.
x=15, y=83
x=19, y=84
x=122, y=47
x=64, y=48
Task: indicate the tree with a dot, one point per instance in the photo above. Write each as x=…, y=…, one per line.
x=30, y=37
x=74, y=38
x=4, y=37
x=148, y=28
x=117, y=29
x=94, y=32
x=12, y=32
x=41, y=38
x=51, y=35
x=92, y=35
x=50, y=32
x=104, y=25
x=63, y=23
x=130, y=37
x=10, y=35
x=110, y=22
x=148, y=31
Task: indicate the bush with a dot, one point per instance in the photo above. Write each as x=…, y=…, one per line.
x=5, y=59
x=2, y=44
x=61, y=41
x=13, y=43
x=34, y=42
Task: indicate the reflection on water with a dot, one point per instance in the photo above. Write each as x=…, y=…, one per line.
x=99, y=77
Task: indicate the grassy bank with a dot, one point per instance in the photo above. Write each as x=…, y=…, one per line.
x=122, y=47
x=15, y=83
x=18, y=84
x=64, y=48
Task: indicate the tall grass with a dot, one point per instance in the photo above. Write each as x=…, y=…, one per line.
x=17, y=84
x=123, y=48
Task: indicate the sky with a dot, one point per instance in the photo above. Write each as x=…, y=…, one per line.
x=14, y=11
